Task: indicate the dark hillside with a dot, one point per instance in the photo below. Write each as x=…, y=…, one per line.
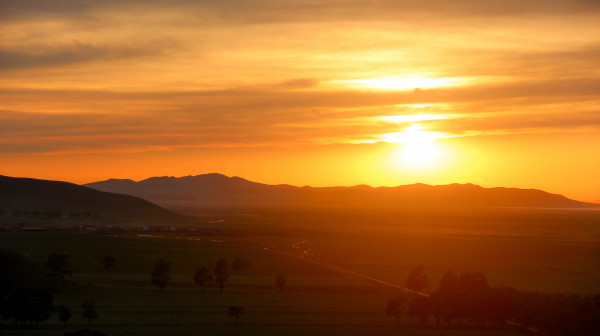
x=30, y=196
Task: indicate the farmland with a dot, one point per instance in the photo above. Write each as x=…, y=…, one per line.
x=317, y=299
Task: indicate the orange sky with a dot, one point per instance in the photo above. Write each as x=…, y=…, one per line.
x=315, y=93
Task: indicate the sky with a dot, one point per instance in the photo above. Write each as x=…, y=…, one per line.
x=320, y=93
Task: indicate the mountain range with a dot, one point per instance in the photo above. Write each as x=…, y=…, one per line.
x=216, y=191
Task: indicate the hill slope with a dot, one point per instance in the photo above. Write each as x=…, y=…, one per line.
x=219, y=191
x=25, y=194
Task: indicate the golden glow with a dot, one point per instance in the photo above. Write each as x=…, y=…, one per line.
x=402, y=83
x=419, y=149
x=414, y=117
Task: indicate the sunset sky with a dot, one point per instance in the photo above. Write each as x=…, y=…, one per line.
x=320, y=93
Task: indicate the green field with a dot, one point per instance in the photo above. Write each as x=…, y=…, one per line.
x=317, y=299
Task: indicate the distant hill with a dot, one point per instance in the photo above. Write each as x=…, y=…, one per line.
x=28, y=200
x=219, y=191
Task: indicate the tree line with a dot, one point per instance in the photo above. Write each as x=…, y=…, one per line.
x=50, y=214
x=467, y=300
x=160, y=273
x=27, y=306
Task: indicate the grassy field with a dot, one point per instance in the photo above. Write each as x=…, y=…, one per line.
x=317, y=299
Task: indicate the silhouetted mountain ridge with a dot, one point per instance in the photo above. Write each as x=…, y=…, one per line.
x=216, y=190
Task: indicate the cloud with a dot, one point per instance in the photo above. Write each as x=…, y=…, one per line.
x=524, y=122
x=47, y=133
x=268, y=100
x=561, y=62
x=245, y=11
x=273, y=115
x=42, y=56
x=298, y=83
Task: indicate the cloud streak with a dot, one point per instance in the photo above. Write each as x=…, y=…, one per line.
x=44, y=56
x=287, y=10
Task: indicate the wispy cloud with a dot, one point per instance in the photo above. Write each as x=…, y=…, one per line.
x=44, y=56
x=261, y=11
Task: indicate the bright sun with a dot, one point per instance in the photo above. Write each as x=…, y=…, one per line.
x=419, y=149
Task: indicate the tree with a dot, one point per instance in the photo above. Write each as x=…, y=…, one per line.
x=221, y=274
x=58, y=267
x=108, y=262
x=160, y=274
x=420, y=307
x=240, y=264
x=394, y=308
x=64, y=314
x=58, y=263
x=280, y=281
x=27, y=305
x=89, y=311
x=449, y=283
x=473, y=282
x=499, y=304
x=236, y=311
x=202, y=275
x=417, y=280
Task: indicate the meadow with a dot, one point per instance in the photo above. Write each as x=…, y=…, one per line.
x=529, y=250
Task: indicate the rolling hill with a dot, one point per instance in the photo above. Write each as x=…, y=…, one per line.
x=23, y=197
x=217, y=191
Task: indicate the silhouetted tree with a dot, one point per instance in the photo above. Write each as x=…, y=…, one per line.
x=89, y=311
x=202, y=275
x=417, y=280
x=108, y=262
x=469, y=297
x=40, y=306
x=470, y=303
x=280, y=281
x=449, y=283
x=499, y=304
x=160, y=274
x=443, y=301
x=27, y=305
x=221, y=274
x=240, y=264
x=64, y=314
x=57, y=266
x=58, y=263
x=472, y=282
x=394, y=308
x=420, y=307
x=236, y=311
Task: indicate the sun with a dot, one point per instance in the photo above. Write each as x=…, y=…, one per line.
x=419, y=149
